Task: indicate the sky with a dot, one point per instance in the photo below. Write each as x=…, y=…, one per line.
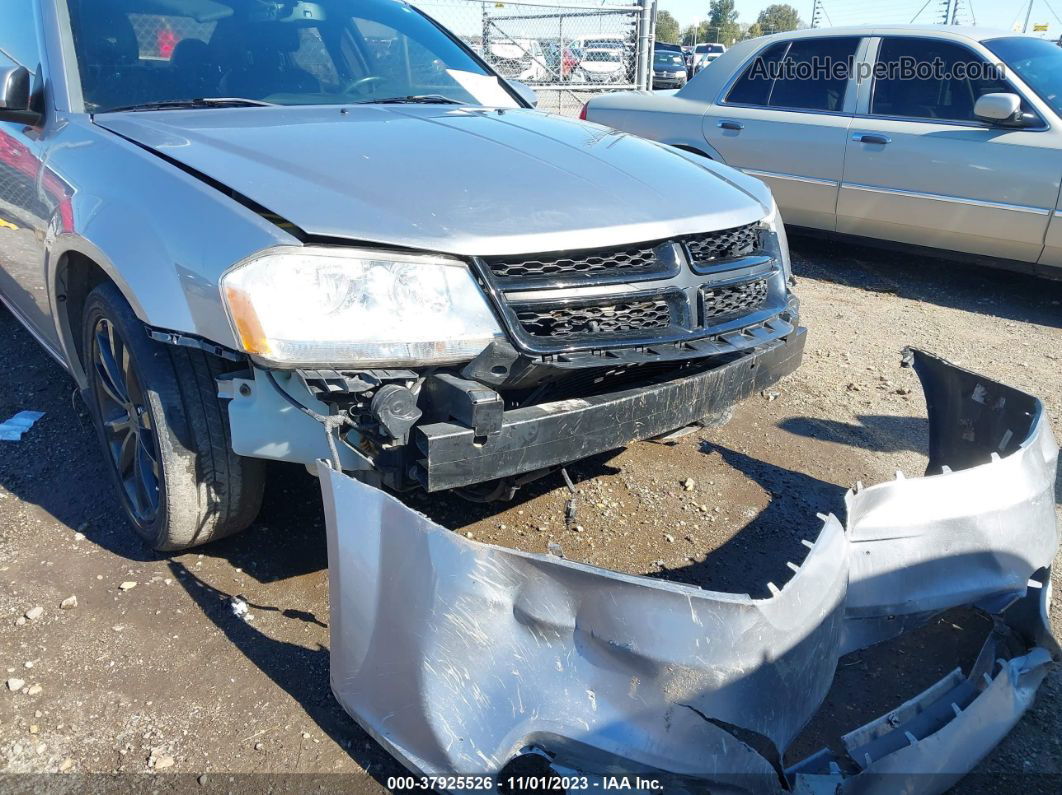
x=987, y=13
x=464, y=17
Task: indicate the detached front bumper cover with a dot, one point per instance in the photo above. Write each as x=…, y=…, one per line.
x=459, y=656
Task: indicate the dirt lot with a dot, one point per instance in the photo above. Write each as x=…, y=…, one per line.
x=164, y=677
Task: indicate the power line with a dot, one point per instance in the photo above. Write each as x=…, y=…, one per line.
x=923, y=8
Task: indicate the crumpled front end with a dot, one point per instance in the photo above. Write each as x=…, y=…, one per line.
x=460, y=657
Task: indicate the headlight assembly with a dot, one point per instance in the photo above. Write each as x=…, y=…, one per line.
x=775, y=241
x=356, y=307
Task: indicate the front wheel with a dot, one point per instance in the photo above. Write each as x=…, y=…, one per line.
x=164, y=431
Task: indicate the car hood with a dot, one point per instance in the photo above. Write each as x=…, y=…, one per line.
x=466, y=181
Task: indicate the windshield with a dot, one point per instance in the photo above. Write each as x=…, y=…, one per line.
x=603, y=44
x=286, y=52
x=667, y=59
x=601, y=56
x=1037, y=62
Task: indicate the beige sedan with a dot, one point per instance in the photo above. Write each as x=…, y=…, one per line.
x=947, y=139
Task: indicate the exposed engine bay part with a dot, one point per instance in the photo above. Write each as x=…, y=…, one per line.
x=395, y=409
x=436, y=429
x=459, y=656
x=558, y=432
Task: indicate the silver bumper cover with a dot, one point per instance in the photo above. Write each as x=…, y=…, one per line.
x=459, y=657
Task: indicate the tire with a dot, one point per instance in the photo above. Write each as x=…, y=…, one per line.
x=164, y=432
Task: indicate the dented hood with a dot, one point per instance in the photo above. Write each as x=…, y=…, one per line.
x=451, y=179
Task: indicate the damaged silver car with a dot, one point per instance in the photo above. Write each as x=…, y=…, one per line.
x=460, y=657
x=335, y=213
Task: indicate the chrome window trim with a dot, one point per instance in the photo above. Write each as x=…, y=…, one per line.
x=1020, y=208
x=785, y=110
x=967, y=125
x=830, y=183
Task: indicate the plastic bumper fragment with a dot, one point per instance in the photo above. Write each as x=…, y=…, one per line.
x=459, y=657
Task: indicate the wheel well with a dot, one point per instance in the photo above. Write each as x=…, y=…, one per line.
x=76, y=277
x=693, y=150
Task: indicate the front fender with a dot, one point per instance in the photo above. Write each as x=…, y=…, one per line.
x=163, y=235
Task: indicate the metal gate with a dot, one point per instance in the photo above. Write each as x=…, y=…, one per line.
x=566, y=50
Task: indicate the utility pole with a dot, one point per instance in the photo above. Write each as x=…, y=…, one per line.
x=816, y=13
x=946, y=12
x=1028, y=13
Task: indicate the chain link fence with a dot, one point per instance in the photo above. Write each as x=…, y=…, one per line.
x=566, y=51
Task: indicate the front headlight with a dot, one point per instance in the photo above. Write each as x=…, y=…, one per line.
x=356, y=307
x=775, y=241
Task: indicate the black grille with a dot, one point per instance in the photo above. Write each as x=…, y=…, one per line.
x=590, y=263
x=724, y=244
x=720, y=302
x=613, y=318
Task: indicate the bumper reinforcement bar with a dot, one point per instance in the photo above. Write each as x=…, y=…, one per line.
x=537, y=437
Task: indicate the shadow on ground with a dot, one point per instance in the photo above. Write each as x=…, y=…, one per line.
x=959, y=285
x=301, y=672
x=878, y=433
x=759, y=551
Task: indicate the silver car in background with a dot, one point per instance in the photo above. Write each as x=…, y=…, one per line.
x=963, y=156
x=302, y=230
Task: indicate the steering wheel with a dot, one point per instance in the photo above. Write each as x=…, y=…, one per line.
x=359, y=83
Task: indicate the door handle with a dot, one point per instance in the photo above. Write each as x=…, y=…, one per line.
x=871, y=138
x=726, y=124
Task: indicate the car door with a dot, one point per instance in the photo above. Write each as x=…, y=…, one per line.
x=785, y=120
x=920, y=168
x=25, y=204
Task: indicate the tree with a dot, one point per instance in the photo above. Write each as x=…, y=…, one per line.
x=667, y=27
x=698, y=34
x=722, y=22
x=721, y=13
x=754, y=31
x=778, y=18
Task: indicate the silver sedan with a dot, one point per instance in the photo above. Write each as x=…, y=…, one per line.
x=944, y=139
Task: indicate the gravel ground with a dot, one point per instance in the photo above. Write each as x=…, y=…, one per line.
x=164, y=677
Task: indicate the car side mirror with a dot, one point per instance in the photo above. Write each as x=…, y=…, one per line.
x=15, y=96
x=525, y=92
x=1003, y=109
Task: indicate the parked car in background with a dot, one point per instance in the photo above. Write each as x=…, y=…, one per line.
x=602, y=66
x=603, y=43
x=660, y=46
x=563, y=67
x=705, y=54
x=966, y=158
x=245, y=261
x=669, y=69
x=518, y=59
x=687, y=55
